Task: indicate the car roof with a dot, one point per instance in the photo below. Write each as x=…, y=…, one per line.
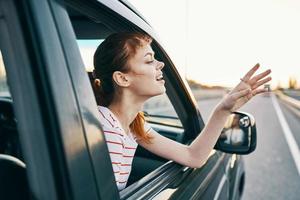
x=133, y=9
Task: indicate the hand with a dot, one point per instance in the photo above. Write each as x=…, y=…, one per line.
x=245, y=90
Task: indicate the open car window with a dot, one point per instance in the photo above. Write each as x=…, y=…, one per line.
x=158, y=110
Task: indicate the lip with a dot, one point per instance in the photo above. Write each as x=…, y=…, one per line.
x=162, y=81
x=161, y=74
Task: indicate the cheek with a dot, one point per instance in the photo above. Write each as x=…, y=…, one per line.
x=144, y=81
x=147, y=85
x=145, y=70
x=144, y=73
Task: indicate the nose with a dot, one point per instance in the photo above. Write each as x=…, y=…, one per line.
x=160, y=65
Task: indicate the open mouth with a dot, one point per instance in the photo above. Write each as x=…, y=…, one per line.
x=159, y=78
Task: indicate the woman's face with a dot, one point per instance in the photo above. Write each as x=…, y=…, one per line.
x=146, y=77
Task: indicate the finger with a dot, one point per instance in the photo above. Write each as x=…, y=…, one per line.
x=261, y=82
x=245, y=85
x=240, y=94
x=249, y=96
x=251, y=72
x=258, y=91
x=259, y=76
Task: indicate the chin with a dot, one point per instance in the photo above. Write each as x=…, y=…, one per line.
x=162, y=91
x=154, y=91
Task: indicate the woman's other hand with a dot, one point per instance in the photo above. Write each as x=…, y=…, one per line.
x=245, y=90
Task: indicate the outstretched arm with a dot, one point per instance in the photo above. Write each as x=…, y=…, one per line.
x=196, y=154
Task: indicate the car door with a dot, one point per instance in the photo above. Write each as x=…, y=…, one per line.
x=59, y=133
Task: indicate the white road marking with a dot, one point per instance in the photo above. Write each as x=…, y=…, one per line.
x=287, y=133
x=220, y=187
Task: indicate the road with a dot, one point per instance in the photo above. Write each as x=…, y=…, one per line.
x=271, y=172
x=293, y=93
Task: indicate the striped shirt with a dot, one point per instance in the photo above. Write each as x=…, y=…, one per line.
x=121, y=146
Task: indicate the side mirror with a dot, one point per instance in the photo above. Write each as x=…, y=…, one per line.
x=238, y=135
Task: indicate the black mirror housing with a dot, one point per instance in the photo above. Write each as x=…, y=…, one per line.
x=238, y=135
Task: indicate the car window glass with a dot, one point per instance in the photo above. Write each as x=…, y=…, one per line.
x=159, y=108
x=87, y=49
x=4, y=89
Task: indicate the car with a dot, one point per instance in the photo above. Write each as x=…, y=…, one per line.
x=51, y=140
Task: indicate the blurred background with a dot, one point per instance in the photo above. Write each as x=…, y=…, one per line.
x=226, y=38
x=213, y=43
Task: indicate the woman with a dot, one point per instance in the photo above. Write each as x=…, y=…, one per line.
x=127, y=74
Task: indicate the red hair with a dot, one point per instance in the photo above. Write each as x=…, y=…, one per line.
x=113, y=55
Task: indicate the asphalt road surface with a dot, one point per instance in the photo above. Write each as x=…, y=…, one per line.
x=271, y=170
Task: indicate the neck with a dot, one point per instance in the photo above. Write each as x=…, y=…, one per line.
x=126, y=109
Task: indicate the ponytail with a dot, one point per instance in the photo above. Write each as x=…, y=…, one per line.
x=137, y=126
x=103, y=98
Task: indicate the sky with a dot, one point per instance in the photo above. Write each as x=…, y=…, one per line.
x=216, y=42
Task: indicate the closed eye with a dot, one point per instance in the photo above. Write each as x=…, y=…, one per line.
x=150, y=62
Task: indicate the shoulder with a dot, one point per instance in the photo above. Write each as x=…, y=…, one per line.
x=107, y=119
x=104, y=116
x=109, y=124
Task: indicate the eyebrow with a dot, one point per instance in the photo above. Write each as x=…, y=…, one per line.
x=149, y=53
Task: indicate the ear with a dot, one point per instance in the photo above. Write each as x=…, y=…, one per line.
x=97, y=82
x=121, y=79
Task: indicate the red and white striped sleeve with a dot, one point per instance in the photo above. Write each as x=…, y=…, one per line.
x=115, y=147
x=113, y=138
x=121, y=146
